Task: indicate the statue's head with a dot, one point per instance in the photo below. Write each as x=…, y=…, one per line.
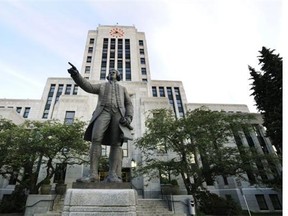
x=114, y=74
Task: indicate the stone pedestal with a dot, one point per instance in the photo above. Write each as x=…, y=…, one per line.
x=100, y=202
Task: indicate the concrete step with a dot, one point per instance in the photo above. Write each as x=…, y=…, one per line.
x=153, y=207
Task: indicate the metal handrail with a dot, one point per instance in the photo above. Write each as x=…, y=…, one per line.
x=46, y=200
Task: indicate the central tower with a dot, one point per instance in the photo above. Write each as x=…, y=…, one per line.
x=120, y=47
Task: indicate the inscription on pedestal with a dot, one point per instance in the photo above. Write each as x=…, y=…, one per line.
x=100, y=202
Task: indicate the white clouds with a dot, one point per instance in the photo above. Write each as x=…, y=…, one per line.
x=207, y=44
x=47, y=28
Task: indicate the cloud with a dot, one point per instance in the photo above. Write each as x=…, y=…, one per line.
x=10, y=71
x=48, y=28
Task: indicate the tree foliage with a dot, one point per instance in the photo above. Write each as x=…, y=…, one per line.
x=267, y=91
x=24, y=148
x=198, y=146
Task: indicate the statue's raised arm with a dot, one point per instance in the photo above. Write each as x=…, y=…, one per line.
x=73, y=70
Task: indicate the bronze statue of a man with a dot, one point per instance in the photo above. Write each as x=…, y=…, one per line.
x=113, y=111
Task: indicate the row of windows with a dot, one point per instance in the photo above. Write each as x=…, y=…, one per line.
x=170, y=96
x=118, y=59
x=142, y=61
x=251, y=143
x=19, y=109
x=263, y=204
x=69, y=89
x=112, y=60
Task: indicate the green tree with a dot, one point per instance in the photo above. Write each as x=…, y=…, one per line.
x=267, y=91
x=197, y=145
x=26, y=147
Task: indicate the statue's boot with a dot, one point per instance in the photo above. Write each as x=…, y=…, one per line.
x=115, y=164
x=95, y=154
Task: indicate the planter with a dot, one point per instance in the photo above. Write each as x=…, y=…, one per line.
x=45, y=189
x=168, y=189
x=60, y=189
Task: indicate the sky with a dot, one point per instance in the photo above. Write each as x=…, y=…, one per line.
x=206, y=44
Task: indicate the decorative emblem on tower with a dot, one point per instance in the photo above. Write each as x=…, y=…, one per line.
x=116, y=32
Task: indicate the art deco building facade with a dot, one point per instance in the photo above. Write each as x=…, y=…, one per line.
x=124, y=48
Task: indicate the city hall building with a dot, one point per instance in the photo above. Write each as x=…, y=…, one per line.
x=125, y=48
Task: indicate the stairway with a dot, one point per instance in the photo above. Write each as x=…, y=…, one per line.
x=145, y=207
x=154, y=207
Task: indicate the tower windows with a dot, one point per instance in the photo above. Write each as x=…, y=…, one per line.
x=89, y=59
x=91, y=41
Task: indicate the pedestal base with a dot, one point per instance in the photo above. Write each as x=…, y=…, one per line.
x=100, y=202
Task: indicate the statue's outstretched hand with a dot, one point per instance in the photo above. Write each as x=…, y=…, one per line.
x=73, y=70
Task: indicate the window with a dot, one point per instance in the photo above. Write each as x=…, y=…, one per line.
x=103, y=74
x=275, y=201
x=89, y=59
x=141, y=51
x=142, y=60
x=48, y=103
x=120, y=65
x=225, y=179
x=128, y=74
x=68, y=89
x=171, y=98
x=141, y=43
x=87, y=69
x=18, y=109
x=90, y=49
x=261, y=202
x=59, y=92
x=125, y=149
x=26, y=112
x=179, y=102
x=161, y=92
x=112, y=63
x=105, y=151
x=143, y=71
x=69, y=117
x=75, y=90
x=104, y=59
x=144, y=80
x=45, y=114
x=154, y=91
x=52, y=89
x=91, y=41
x=60, y=172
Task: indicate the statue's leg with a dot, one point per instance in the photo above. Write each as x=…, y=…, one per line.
x=115, y=156
x=115, y=164
x=95, y=154
x=119, y=165
x=99, y=127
